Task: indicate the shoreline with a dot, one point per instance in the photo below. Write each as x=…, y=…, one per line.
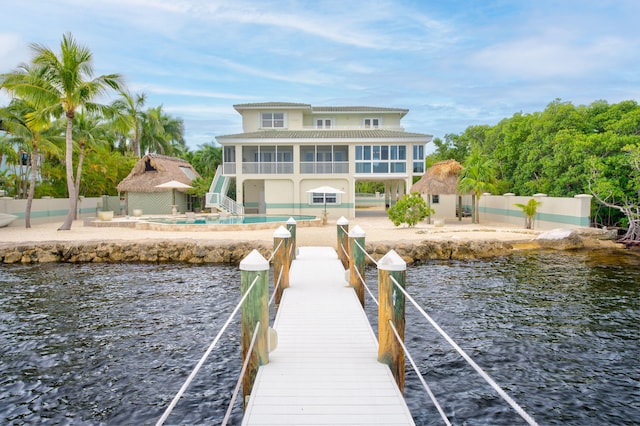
x=43, y=243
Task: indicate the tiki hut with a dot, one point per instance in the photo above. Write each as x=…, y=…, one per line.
x=142, y=185
x=439, y=186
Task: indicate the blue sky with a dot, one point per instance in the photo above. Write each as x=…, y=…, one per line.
x=452, y=63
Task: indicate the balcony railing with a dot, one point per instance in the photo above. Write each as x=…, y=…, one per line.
x=229, y=168
x=324, y=167
x=271, y=168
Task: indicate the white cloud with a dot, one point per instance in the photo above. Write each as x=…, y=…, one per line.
x=13, y=51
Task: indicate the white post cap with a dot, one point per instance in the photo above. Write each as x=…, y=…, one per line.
x=291, y=221
x=356, y=232
x=282, y=232
x=342, y=221
x=392, y=262
x=254, y=262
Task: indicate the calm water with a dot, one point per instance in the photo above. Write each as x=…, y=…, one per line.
x=111, y=344
x=230, y=220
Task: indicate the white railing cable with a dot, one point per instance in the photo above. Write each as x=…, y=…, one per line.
x=205, y=356
x=422, y=380
x=366, y=287
x=275, y=286
x=367, y=254
x=345, y=251
x=242, y=373
x=467, y=358
x=275, y=251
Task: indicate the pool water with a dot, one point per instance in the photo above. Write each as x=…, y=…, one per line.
x=230, y=220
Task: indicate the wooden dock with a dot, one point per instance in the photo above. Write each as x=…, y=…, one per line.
x=325, y=369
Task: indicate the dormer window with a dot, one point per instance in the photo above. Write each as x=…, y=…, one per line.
x=323, y=123
x=273, y=120
x=371, y=123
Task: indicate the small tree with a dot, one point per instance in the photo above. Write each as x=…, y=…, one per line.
x=530, y=209
x=410, y=209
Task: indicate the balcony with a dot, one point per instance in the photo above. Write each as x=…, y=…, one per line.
x=270, y=168
x=324, y=167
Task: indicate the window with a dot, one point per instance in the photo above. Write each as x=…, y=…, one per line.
x=418, y=159
x=324, y=159
x=323, y=123
x=371, y=123
x=381, y=159
x=273, y=119
x=435, y=199
x=320, y=198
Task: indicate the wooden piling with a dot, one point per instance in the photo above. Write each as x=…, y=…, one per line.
x=392, y=307
x=291, y=227
x=343, y=241
x=356, y=261
x=255, y=309
x=281, y=261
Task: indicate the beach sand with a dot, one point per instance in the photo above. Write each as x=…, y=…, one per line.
x=376, y=228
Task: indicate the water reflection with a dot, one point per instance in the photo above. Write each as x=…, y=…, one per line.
x=111, y=344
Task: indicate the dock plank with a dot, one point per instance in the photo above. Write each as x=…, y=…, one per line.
x=325, y=369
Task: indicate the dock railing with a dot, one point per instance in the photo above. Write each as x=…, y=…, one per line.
x=392, y=295
x=258, y=338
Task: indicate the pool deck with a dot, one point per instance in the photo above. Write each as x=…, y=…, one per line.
x=153, y=223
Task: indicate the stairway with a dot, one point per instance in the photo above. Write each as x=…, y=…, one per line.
x=217, y=195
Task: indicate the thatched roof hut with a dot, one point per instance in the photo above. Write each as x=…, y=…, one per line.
x=441, y=178
x=153, y=170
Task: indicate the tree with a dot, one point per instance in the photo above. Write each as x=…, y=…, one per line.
x=530, y=209
x=90, y=132
x=32, y=135
x=65, y=84
x=129, y=118
x=478, y=176
x=161, y=133
x=624, y=195
x=410, y=209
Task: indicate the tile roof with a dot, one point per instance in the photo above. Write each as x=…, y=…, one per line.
x=320, y=109
x=326, y=134
x=358, y=109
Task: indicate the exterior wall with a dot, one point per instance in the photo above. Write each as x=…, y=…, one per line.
x=252, y=119
x=446, y=207
x=354, y=120
x=345, y=208
x=47, y=210
x=553, y=212
x=155, y=202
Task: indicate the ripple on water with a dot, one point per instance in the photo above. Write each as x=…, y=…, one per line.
x=112, y=344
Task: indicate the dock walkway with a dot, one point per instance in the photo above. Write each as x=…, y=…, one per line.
x=325, y=369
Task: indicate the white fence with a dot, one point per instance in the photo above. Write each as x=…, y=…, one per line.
x=553, y=212
x=46, y=210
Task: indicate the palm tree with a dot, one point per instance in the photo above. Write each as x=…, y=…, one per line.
x=529, y=210
x=64, y=86
x=32, y=135
x=89, y=132
x=478, y=176
x=162, y=133
x=129, y=118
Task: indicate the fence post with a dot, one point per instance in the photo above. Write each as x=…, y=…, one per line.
x=391, y=309
x=281, y=261
x=356, y=261
x=255, y=309
x=343, y=241
x=291, y=227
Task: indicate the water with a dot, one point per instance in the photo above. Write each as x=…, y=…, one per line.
x=230, y=220
x=111, y=344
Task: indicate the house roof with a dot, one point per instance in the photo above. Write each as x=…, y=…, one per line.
x=152, y=170
x=320, y=109
x=441, y=178
x=326, y=134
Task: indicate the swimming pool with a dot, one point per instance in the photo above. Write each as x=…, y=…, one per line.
x=209, y=222
x=228, y=220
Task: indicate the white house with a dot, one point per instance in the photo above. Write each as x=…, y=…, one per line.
x=287, y=149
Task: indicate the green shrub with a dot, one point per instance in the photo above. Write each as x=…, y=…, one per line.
x=410, y=209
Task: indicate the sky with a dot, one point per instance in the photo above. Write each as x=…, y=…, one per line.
x=451, y=63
